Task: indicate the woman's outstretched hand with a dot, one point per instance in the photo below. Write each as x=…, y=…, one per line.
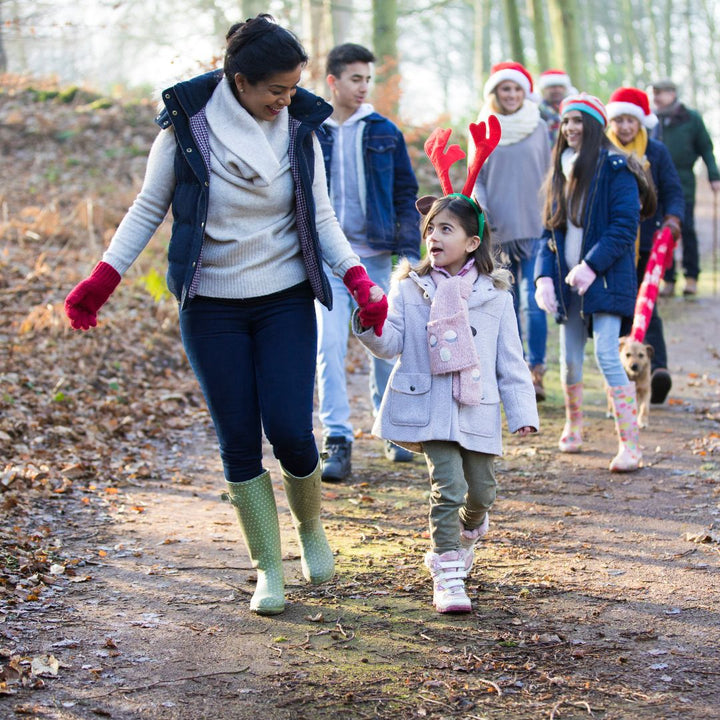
x=370, y=298
x=87, y=297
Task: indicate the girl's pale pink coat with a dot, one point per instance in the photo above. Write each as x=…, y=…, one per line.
x=418, y=406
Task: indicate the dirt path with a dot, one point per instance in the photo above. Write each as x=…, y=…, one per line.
x=589, y=599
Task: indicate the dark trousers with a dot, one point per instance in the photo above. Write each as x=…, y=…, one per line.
x=654, y=335
x=255, y=362
x=690, y=254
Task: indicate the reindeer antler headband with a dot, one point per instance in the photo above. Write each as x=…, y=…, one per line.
x=443, y=157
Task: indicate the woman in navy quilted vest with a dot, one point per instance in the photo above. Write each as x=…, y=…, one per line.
x=238, y=161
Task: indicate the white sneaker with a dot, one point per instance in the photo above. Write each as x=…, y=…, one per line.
x=468, y=539
x=448, y=574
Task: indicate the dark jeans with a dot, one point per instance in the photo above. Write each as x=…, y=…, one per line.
x=690, y=255
x=654, y=335
x=255, y=361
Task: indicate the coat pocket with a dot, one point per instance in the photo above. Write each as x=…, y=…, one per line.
x=483, y=420
x=409, y=399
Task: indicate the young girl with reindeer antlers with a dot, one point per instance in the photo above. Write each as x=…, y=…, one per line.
x=452, y=327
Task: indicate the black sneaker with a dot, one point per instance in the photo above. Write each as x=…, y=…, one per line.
x=660, y=384
x=336, y=453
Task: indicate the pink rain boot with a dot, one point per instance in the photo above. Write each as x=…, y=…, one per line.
x=571, y=438
x=625, y=410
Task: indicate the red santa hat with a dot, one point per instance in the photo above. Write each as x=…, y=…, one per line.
x=554, y=77
x=509, y=71
x=634, y=102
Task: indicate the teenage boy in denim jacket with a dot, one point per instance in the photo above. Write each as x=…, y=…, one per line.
x=373, y=191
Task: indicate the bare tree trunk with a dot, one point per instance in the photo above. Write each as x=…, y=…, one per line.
x=341, y=13
x=387, y=94
x=710, y=20
x=252, y=8
x=667, y=38
x=315, y=30
x=537, y=13
x=692, y=64
x=3, y=55
x=566, y=35
x=481, y=35
x=631, y=36
x=512, y=22
x=650, y=11
x=556, y=35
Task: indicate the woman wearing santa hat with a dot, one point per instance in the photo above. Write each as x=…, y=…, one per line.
x=508, y=187
x=630, y=119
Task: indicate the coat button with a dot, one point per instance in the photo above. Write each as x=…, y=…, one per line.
x=167, y=96
x=412, y=388
x=189, y=150
x=174, y=112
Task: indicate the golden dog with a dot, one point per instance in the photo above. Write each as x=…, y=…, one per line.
x=635, y=357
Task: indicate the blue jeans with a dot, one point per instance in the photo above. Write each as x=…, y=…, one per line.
x=574, y=335
x=255, y=362
x=523, y=270
x=333, y=333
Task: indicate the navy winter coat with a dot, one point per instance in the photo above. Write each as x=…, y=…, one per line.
x=669, y=192
x=185, y=110
x=610, y=224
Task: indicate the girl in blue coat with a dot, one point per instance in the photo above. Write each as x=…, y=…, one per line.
x=585, y=271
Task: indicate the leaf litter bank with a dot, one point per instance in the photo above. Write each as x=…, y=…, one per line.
x=124, y=583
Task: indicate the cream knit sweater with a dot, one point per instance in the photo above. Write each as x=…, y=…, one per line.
x=251, y=246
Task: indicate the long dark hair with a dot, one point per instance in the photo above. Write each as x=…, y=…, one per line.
x=259, y=48
x=568, y=200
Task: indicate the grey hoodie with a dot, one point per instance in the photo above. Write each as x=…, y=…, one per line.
x=347, y=173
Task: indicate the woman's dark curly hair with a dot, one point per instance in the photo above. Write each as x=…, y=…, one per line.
x=259, y=48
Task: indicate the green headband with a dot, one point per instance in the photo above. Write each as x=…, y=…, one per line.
x=477, y=209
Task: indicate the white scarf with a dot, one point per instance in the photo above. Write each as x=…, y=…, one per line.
x=245, y=150
x=517, y=126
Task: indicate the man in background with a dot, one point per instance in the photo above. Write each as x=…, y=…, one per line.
x=373, y=191
x=555, y=86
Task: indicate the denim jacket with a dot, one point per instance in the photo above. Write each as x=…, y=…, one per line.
x=392, y=220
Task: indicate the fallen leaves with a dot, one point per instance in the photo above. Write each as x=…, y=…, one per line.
x=709, y=535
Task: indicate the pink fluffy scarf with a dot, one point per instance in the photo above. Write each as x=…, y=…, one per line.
x=450, y=339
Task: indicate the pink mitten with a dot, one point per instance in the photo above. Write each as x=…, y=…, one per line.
x=545, y=295
x=581, y=277
x=372, y=312
x=88, y=296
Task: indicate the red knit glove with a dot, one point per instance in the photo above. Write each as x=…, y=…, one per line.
x=87, y=297
x=372, y=313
